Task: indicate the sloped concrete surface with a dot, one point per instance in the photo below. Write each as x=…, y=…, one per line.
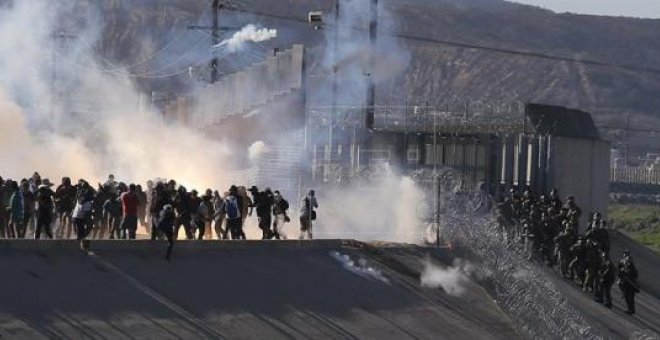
x=237, y=290
x=615, y=323
x=270, y=290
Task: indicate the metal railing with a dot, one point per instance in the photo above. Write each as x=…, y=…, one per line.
x=635, y=175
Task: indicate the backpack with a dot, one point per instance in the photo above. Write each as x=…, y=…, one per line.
x=284, y=205
x=232, y=209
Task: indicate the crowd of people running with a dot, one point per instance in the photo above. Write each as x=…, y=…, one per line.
x=32, y=207
x=555, y=234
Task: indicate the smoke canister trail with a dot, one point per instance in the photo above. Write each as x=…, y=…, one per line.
x=249, y=33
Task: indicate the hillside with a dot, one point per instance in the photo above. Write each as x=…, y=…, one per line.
x=136, y=30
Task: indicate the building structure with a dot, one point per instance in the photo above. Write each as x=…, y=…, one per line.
x=501, y=145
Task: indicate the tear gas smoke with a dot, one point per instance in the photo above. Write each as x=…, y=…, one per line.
x=382, y=211
x=360, y=267
x=94, y=124
x=21, y=153
x=453, y=279
x=349, y=53
x=249, y=33
x=256, y=150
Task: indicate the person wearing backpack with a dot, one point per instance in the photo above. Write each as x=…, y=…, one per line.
x=234, y=208
x=263, y=202
x=82, y=212
x=307, y=214
x=280, y=208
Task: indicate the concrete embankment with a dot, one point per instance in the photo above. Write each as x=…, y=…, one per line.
x=264, y=290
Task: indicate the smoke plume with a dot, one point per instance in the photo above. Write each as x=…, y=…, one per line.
x=386, y=210
x=256, y=150
x=65, y=114
x=249, y=33
x=451, y=279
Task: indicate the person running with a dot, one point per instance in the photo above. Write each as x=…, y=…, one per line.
x=246, y=203
x=29, y=199
x=82, y=212
x=65, y=202
x=234, y=206
x=208, y=213
x=130, y=203
x=263, y=202
x=219, y=215
x=308, y=214
x=45, y=207
x=280, y=208
x=5, y=194
x=165, y=225
x=204, y=216
x=149, y=198
x=142, y=208
x=184, y=208
x=112, y=209
x=159, y=199
x=628, y=280
x=111, y=183
x=16, y=209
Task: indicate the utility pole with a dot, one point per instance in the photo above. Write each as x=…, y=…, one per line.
x=215, y=28
x=436, y=175
x=216, y=39
x=371, y=84
x=57, y=42
x=627, y=139
x=333, y=110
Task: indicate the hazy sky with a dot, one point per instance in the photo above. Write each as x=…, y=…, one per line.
x=632, y=8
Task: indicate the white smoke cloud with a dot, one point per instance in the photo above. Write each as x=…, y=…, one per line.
x=249, y=33
x=383, y=211
x=451, y=279
x=256, y=150
x=95, y=124
x=361, y=267
x=348, y=51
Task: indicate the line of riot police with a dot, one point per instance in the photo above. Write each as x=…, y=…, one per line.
x=553, y=234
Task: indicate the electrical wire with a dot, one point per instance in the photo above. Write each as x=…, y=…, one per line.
x=467, y=45
x=119, y=71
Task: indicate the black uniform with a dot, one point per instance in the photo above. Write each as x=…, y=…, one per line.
x=264, y=201
x=112, y=209
x=628, y=281
x=184, y=209
x=607, y=276
x=44, y=212
x=165, y=224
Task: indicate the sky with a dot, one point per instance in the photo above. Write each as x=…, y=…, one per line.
x=631, y=8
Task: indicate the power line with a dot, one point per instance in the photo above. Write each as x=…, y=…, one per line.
x=215, y=28
x=493, y=49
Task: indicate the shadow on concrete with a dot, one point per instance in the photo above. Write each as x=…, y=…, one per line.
x=224, y=290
